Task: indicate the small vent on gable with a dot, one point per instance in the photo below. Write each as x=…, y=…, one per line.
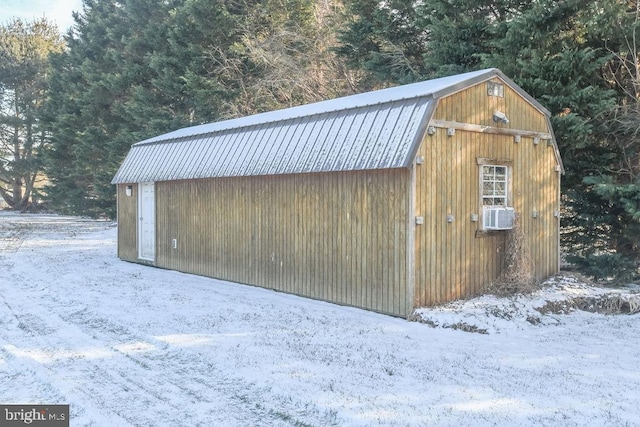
x=498, y=218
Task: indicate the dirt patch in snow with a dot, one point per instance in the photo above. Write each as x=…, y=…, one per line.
x=603, y=304
x=560, y=295
x=459, y=326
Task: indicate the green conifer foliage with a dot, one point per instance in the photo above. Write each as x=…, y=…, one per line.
x=109, y=90
x=24, y=51
x=577, y=57
x=137, y=68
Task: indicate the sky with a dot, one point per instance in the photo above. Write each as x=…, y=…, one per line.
x=58, y=11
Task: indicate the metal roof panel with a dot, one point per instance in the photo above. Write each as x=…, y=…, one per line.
x=381, y=131
x=375, y=130
x=415, y=90
x=362, y=138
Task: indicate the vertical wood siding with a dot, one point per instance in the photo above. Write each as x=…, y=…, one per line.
x=453, y=260
x=339, y=237
x=127, y=216
x=350, y=237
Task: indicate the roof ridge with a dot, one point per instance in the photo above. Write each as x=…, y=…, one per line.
x=425, y=88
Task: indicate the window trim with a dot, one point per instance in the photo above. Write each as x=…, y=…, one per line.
x=495, y=88
x=482, y=161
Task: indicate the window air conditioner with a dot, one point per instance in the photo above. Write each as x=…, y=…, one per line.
x=498, y=218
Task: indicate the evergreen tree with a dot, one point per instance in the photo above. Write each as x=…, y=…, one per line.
x=107, y=94
x=575, y=56
x=202, y=32
x=24, y=51
x=617, y=186
x=385, y=39
x=402, y=42
x=137, y=68
x=549, y=49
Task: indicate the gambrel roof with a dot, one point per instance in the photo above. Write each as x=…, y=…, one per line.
x=375, y=130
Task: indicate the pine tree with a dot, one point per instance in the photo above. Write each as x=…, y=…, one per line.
x=617, y=186
x=575, y=56
x=402, y=42
x=105, y=96
x=385, y=39
x=24, y=49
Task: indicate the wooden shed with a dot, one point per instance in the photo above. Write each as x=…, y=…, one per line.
x=387, y=200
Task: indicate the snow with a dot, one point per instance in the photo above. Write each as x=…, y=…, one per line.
x=130, y=345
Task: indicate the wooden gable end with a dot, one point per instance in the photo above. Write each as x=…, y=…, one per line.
x=454, y=256
x=473, y=105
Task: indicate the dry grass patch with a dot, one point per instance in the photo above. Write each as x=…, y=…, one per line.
x=603, y=304
x=517, y=275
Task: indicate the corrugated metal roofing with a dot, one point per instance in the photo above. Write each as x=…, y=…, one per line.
x=373, y=137
x=374, y=130
x=348, y=102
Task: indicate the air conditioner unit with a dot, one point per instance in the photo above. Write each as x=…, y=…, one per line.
x=498, y=218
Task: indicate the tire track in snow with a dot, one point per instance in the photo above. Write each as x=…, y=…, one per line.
x=193, y=375
x=102, y=374
x=46, y=347
x=12, y=235
x=19, y=339
x=107, y=365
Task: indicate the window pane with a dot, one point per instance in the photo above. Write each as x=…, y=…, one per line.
x=494, y=185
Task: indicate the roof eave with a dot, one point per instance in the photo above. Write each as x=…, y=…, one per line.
x=422, y=130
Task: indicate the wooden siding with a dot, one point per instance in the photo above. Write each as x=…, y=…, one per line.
x=350, y=237
x=453, y=260
x=339, y=237
x=127, y=216
x=473, y=105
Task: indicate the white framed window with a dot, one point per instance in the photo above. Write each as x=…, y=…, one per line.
x=494, y=181
x=495, y=194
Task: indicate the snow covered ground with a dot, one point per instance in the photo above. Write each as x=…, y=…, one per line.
x=128, y=345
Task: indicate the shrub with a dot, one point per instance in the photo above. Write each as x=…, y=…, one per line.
x=606, y=266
